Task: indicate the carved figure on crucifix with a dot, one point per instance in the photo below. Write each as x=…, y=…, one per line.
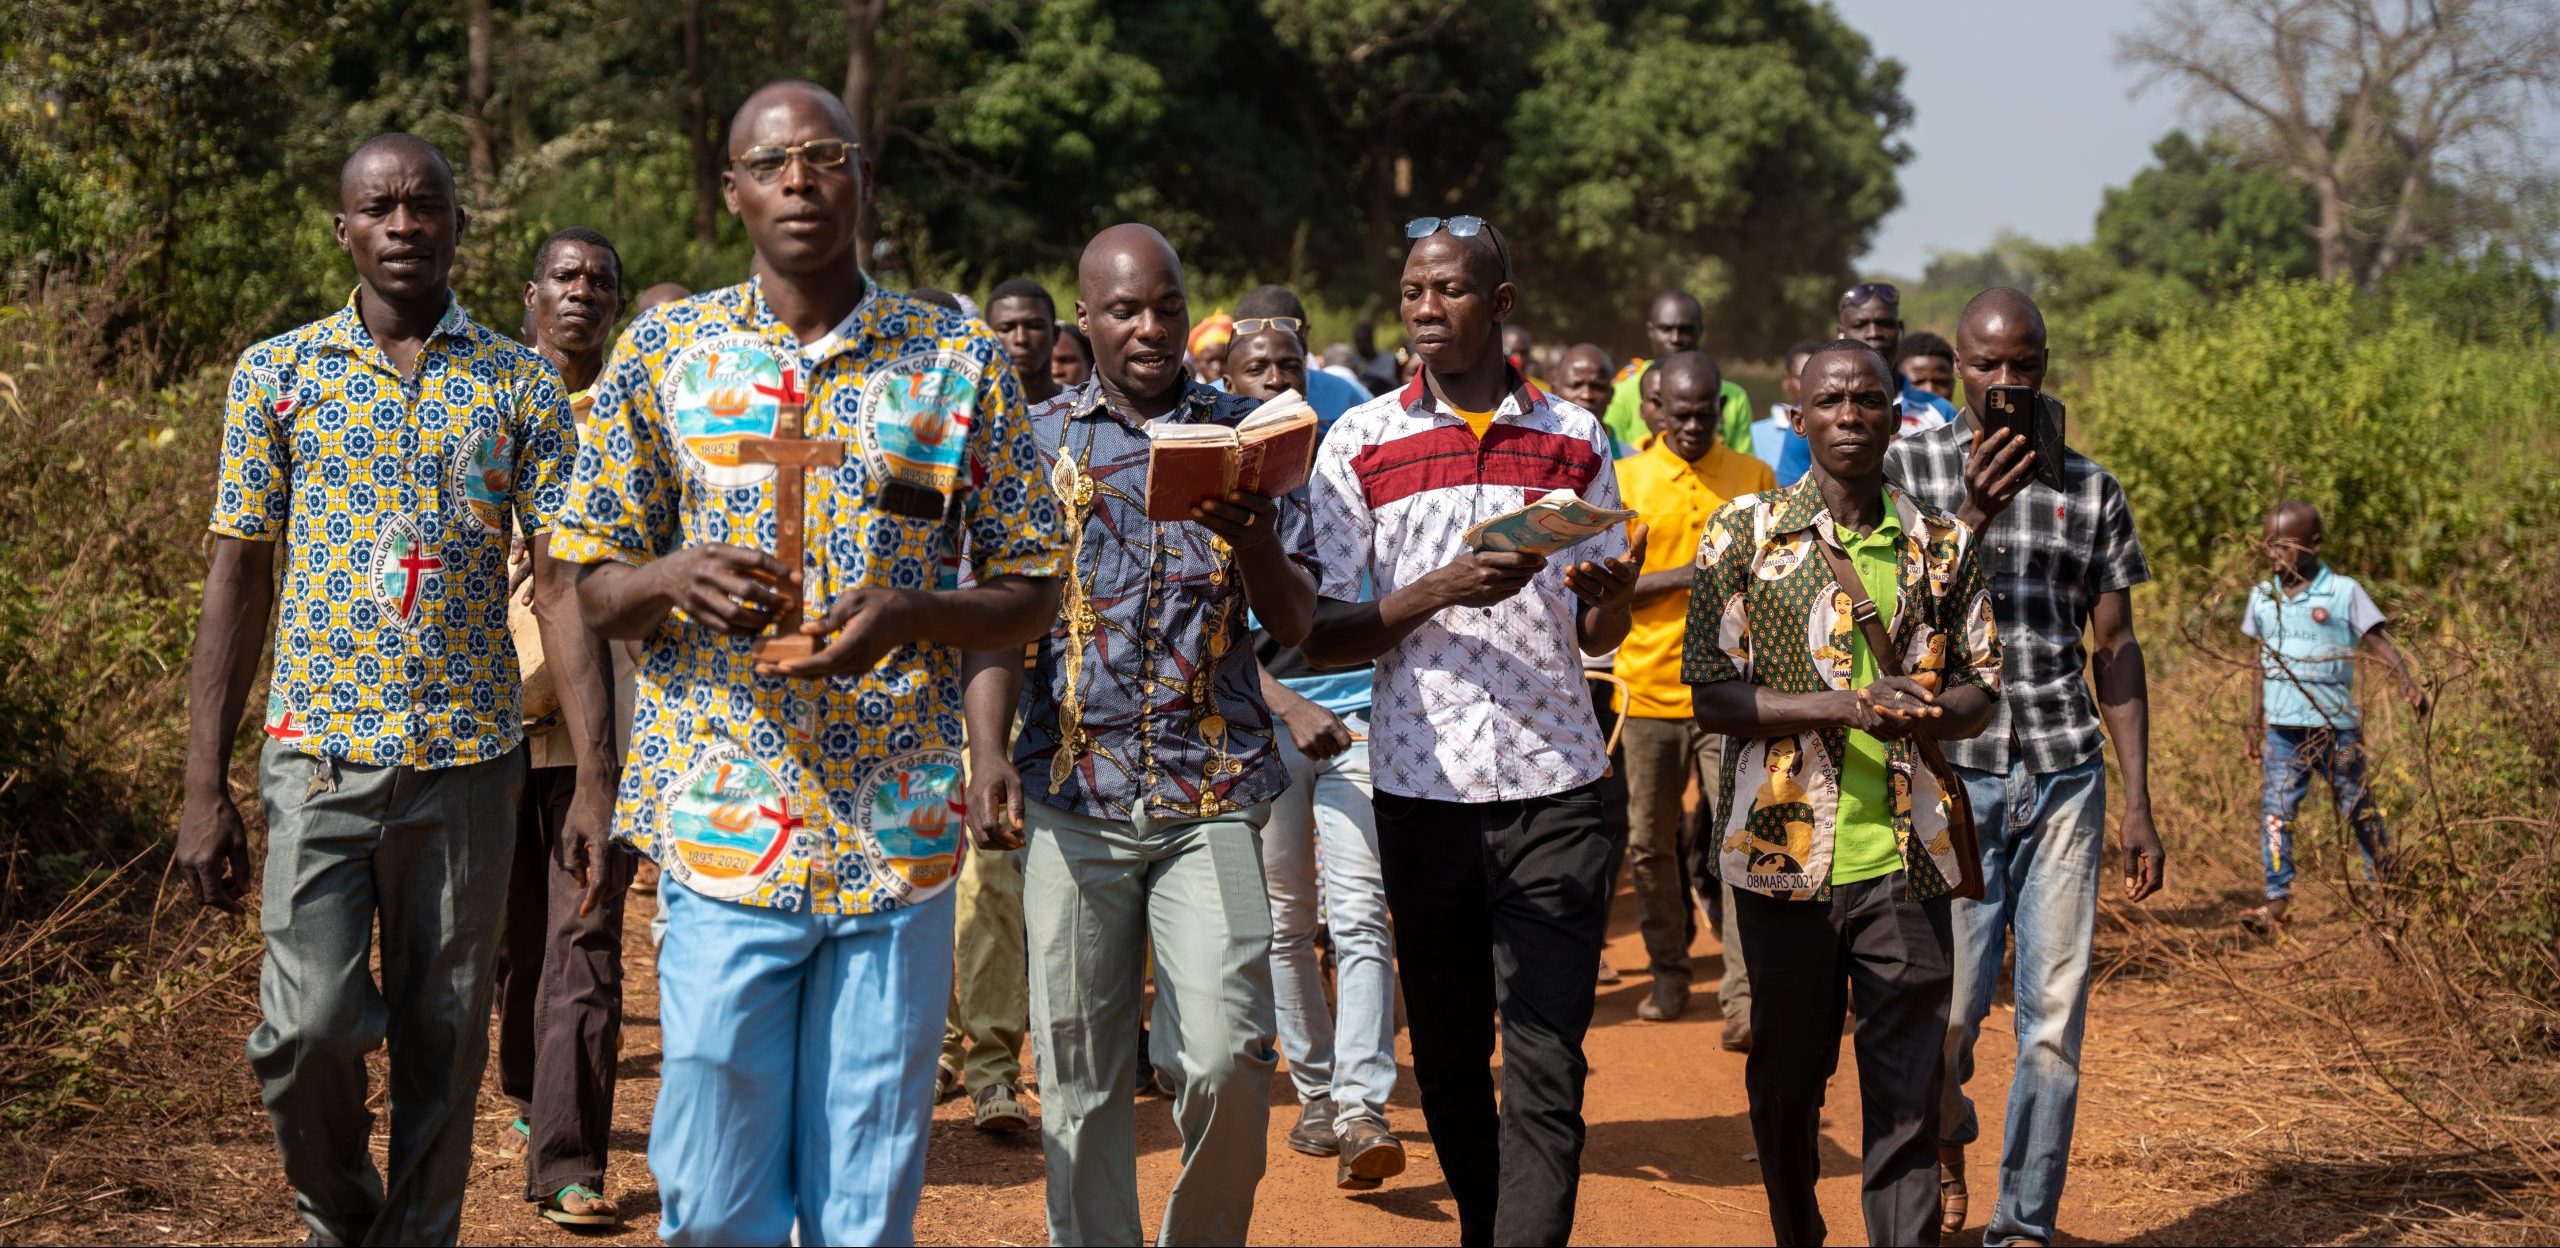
x=791, y=455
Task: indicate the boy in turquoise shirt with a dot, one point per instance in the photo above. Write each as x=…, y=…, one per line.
x=2309, y=622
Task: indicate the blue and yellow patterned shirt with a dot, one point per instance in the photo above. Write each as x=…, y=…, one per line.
x=392, y=496
x=1144, y=696
x=835, y=796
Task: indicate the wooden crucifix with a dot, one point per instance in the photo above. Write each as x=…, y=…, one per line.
x=791, y=455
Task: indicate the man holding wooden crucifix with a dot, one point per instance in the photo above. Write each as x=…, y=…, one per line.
x=803, y=438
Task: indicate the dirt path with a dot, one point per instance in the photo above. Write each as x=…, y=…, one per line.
x=1667, y=1160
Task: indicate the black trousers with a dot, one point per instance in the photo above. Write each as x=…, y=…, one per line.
x=1805, y=958
x=559, y=994
x=1500, y=909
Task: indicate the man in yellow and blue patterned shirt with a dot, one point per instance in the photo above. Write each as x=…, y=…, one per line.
x=807, y=813
x=387, y=447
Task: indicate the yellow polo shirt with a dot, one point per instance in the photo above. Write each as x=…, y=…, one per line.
x=1675, y=497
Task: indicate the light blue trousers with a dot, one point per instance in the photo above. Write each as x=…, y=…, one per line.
x=2043, y=841
x=1320, y=861
x=797, y=1082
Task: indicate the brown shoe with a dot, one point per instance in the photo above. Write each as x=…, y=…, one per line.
x=1371, y=1155
x=1667, y=1001
x=1737, y=1035
x=1952, y=1199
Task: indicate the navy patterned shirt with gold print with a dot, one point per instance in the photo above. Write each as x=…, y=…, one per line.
x=1144, y=698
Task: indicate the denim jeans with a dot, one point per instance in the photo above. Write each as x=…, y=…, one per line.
x=1320, y=860
x=2043, y=841
x=2293, y=756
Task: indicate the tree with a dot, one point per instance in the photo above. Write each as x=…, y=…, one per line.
x=2360, y=101
x=2203, y=216
x=1744, y=151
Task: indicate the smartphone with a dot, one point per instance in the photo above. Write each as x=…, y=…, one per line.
x=2034, y=416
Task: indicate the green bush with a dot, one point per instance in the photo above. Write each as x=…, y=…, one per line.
x=2427, y=450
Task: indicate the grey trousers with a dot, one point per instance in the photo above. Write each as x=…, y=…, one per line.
x=1660, y=755
x=427, y=853
x=1098, y=896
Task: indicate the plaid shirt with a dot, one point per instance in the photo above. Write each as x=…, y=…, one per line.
x=2049, y=555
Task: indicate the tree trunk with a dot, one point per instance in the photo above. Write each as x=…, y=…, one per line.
x=2399, y=241
x=697, y=116
x=2330, y=232
x=478, y=38
x=861, y=98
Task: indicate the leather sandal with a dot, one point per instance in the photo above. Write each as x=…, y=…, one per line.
x=1953, y=1200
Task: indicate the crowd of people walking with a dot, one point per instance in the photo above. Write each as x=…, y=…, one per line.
x=839, y=616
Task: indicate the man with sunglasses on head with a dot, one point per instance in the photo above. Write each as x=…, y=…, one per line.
x=1672, y=325
x=805, y=809
x=1277, y=307
x=1494, y=852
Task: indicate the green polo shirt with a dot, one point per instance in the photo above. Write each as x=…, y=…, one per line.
x=1862, y=845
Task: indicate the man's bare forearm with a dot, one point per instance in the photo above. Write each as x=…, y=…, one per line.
x=1962, y=715
x=581, y=663
x=990, y=690
x=1348, y=634
x=1738, y=708
x=1281, y=592
x=620, y=601
x=2124, y=702
x=1600, y=629
x=239, y=594
x=997, y=613
x=1662, y=584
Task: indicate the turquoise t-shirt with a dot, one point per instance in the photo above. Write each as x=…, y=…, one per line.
x=1862, y=844
x=2307, y=648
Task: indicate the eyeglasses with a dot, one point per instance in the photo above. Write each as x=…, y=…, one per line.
x=1460, y=227
x=1865, y=291
x=767, y=163
x=1257, y=324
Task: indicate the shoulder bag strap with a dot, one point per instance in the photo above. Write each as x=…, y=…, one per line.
x=1960, y=825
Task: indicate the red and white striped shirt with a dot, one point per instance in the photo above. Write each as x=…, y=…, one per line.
x=1479, y=704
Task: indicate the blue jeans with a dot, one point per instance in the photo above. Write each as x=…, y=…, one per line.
x=798, y=1070
x=2293, y=755
x=2043, y=841
x=1324, y=826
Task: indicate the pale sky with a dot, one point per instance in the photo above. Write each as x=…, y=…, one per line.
x=2013, y=77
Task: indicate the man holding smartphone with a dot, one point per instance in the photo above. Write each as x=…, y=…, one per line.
x=2062, y=563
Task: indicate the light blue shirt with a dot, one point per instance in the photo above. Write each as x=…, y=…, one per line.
x=2307, y=648
x=1768, y=441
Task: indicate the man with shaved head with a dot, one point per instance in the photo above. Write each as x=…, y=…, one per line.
x=1840, y=636
x=1672, y=324
x=1146, y=767
x=803, y=800
x=1675, y=484
x=2063, y=563
x=1496, y=858
x=389, y=448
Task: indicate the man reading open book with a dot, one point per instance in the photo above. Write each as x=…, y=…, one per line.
x=1146, y=767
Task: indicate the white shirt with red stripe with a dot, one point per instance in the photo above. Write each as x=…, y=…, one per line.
x=1479, y=704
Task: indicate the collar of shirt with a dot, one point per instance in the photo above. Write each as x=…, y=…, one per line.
x=1087, y=402
x=345, y=331
x=1519, y=394
x=1800, y=506
x=2318, y=584
x=847, y=335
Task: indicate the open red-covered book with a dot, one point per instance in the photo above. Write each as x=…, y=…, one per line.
x=1269, y=453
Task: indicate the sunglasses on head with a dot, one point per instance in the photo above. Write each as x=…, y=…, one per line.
x=767, y=162
x=1460, y=227
x=1865, y=291
x=1257, y=324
